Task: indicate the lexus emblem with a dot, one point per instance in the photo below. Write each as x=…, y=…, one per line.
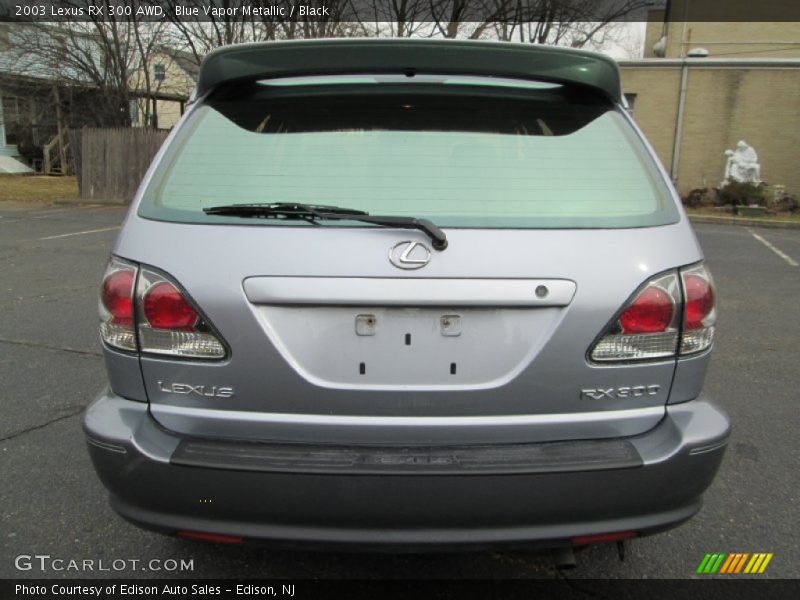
x=409, y=255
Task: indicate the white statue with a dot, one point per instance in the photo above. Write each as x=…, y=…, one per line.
x=742, y=165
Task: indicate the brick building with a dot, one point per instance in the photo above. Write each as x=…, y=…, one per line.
x=703, y=86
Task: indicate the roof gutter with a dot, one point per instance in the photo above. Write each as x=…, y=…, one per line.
x=712, y=63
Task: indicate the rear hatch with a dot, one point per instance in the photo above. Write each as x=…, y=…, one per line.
x=347, y=332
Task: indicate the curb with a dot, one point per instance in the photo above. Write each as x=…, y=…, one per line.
x=743, y=221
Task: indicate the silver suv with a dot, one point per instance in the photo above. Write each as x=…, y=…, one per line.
x=408, y=293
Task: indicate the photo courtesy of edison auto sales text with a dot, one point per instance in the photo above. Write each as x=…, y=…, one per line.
x=165, y=590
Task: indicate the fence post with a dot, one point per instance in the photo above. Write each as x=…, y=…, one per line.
x=75, y=143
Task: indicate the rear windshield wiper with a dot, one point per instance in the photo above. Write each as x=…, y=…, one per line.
x=322, y=212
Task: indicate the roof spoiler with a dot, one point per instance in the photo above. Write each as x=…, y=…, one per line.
x=243, y=62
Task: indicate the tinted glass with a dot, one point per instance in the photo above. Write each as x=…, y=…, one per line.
x=459, y=153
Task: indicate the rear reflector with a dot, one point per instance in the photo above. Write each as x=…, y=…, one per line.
x=210, y=537
x=116, y=305
x=583, y=540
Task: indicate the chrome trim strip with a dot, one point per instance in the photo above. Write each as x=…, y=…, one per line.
x=382, y=421
x=365, y=291
x=371, y=429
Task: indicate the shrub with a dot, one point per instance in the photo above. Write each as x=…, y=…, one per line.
x=787, y=204
x=700, y=197
x=742, y=194
x=694, y=198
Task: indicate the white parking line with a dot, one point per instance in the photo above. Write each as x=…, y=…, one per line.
x=63, y=235
x=777, y=251
x=55, y=211
x=30, y=215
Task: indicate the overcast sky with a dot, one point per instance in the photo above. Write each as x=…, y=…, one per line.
x=631, y=44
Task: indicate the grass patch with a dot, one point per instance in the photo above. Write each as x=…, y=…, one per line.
x=710, y=212
x=37, y=188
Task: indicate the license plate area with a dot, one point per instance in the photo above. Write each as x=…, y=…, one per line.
x=408, y=348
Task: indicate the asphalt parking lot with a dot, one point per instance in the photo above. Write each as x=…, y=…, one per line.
x=51, y=261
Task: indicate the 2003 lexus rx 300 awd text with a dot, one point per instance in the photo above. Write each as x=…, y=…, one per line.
x=427, y=293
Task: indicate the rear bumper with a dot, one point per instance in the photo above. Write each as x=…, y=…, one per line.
x=481, y=496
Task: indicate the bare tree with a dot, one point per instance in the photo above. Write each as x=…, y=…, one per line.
x=575, y=23
x=471, y=18
x=396, y=18
x=149, y=39
x=254, y=21
x=101, y=56
x=342, y=21
x=69, y=75
x=199, y=37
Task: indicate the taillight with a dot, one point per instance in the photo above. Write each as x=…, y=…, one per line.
x=671, y=314
x=168, y=322
x=648, y=327
x=116, y=305
x=141, y=309
x=700, y=314
x=166, y=308
x=652, y=312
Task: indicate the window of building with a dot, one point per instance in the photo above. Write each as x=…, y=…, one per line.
x=11, y=108
x=159, y=72
x=133, y=107
x=10, y=116
x=630, y=100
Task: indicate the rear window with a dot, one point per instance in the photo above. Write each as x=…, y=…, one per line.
x=461, y=152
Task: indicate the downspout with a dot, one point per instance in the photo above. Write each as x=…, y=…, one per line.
x=684, y=41
x=676, y=144
x=665, y=26
x=2, y=127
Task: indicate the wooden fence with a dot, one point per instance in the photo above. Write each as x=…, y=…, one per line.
x=110, y=163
